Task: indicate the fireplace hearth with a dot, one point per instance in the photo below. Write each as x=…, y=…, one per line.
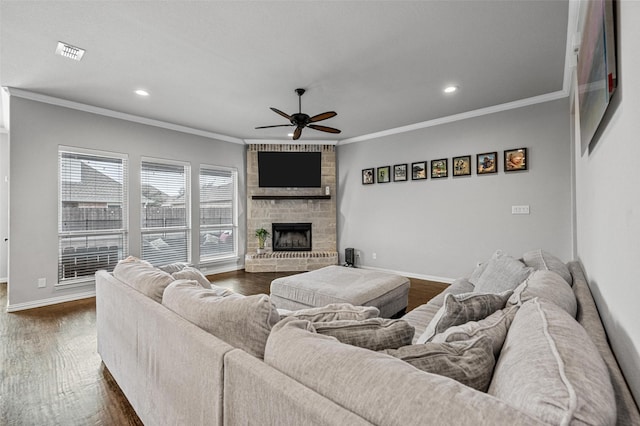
x=291, y=236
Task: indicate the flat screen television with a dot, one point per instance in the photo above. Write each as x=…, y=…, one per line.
x=289, y=169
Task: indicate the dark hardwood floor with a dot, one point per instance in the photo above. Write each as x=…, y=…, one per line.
x=51, y=373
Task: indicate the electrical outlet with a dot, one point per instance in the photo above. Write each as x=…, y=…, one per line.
x=374, y=256
x=42, y=282
x=520, y=209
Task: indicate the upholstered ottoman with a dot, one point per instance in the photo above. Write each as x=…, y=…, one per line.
x=339, y=284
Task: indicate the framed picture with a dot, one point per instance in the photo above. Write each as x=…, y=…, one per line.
x=439, y=168
x=399, y=172
x=461, y=165
x=419, y=170
x=368, y=176
x=486, y=163
x=515, y=159
x=384, y=174
x=596, y=68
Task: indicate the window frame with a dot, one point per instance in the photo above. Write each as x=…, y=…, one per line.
x=208, y=259
x=187, y=228
x=122, y=232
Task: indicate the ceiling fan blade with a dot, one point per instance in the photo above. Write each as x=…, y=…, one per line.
x=322, y=116
x=297, y=133
x=277, y=111
x=277, y=125
x=324, y=128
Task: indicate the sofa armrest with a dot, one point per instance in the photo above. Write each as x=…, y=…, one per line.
x=589, y=318
x=170, y=370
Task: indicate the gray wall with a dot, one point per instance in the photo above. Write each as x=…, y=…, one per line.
x=440, y=228
x=37, y=129
x=608, y=207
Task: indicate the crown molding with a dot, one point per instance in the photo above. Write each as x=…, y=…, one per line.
x=25, y=94
x=462, y=116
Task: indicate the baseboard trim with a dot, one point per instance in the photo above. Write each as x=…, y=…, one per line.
x=51, y=301
x=212, y=270
x=412, y=275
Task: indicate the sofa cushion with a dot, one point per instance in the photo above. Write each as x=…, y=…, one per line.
x=494, y=327
x=173, y=267
x=374, y=333
x=461, y=308
x=190, y=273
x=143, y=276
x=546, y=285
x=333, y=312
x=550, y=369
x=502, y=273
x=469, y=362
x=242, y=321
x=541, y=260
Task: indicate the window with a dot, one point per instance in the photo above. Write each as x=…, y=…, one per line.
x=218, y=218
x=165, y=221
x=92, y=212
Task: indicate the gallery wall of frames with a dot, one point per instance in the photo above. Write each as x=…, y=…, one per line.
x=513, y=160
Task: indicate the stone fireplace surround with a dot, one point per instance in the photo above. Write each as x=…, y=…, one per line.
x=266, y=206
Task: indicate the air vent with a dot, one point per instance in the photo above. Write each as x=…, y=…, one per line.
x=69, y=51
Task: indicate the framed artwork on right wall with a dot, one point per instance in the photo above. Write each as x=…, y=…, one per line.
x=461, y=165
x=486, y=163
x=515, y=160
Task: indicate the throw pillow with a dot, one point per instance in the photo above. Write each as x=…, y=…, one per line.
x=334, y=312
x=495, y=327
x=374, y=333
x=477, y=273
x=142, y=276
x=242, y=321
x=502, y=273
x=549, y=286
x=190, y=273
x=469, y=362
x=479, y=270
x=461, y=308
x=541, y=260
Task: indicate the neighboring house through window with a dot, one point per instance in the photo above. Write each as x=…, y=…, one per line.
x=218, y=213
x=92, y=212
x=165, y=217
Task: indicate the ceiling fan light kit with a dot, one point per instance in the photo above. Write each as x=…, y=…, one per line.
x=301, y=120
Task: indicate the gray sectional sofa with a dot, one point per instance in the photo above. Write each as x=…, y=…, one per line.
x=549, y=368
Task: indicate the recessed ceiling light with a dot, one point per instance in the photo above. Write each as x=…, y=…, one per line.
x=450, y=89
x=68, y=51
x=141, y=92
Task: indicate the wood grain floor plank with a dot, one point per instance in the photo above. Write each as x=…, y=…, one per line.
x=51, y=373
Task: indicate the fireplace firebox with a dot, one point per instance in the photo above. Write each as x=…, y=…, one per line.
x=291, y=236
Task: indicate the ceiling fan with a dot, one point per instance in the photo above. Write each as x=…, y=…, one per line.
x=302, y=120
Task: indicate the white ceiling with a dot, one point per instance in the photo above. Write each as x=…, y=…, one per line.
x=219, y=66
